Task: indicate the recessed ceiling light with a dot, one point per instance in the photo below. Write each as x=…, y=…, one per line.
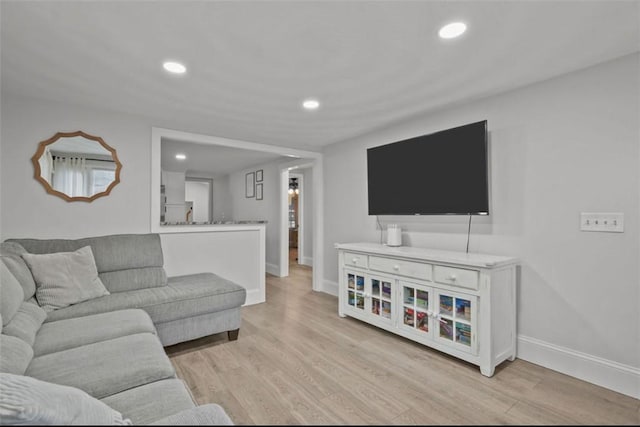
x=181, y=156
x=311, y=104
x=452, y=30
x=174, y=67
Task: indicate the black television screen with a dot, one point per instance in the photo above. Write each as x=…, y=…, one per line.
x=440, y=173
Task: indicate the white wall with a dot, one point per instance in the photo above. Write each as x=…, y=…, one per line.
x=28, y=211
x=558, y=148
x=222, y=200
x=266, y=209
x=221, y=195
x=307, y=212
x=236, y=255
x=199, y=192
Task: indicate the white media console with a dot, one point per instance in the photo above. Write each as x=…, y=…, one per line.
x=459, y=303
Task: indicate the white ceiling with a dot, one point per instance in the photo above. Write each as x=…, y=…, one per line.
x=211, y=160
x=79, y=144
x=250, y=64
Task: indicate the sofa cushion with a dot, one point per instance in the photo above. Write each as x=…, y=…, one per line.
x=209, y=414
x=134, y=278
x=151, y=402
x=26, y=400
x=11, y=292
x=26, y=323
x=11, y=253
x=55, y=336
x=107, y=367
x=184, y=296
x=65, y=278
x=138, y=257
x=15, y=355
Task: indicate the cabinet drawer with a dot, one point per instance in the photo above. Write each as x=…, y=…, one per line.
x=355, y=260
x=404, y=268
x=456, y=276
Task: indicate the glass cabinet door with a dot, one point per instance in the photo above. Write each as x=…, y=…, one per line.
x=381, y=296
x=355, y=290
x=456, y=314
x=416, y=308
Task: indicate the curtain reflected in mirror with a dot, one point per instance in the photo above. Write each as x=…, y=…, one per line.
x=77, y=166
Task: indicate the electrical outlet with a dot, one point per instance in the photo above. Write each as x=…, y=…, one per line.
x=612, y=222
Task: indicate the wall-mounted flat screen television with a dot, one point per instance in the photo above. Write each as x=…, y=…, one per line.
x=440, y=173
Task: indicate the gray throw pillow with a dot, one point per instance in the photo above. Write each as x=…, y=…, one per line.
x=65, y=278
x=28, y=401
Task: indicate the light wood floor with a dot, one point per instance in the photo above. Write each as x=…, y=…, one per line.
x=297, y=362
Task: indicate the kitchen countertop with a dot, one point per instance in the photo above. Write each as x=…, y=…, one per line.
x=213, y=223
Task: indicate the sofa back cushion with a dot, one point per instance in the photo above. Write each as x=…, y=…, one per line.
x=124, y=261
x=15, y=355
x=11, y=294
x=133, y=278
x=26, y=323
x=11, y=254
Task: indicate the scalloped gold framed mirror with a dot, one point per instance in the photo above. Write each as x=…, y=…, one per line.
x=76, y=166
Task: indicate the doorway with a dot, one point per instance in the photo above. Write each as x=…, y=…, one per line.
x=295, y=195
x=198, y=199
x=300, y=185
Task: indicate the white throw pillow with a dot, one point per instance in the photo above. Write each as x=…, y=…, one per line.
x=65, y=278
x=28, y=401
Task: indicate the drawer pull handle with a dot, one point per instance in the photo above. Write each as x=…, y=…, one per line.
x=355, y=260
x=396, y=267
x=452, y=277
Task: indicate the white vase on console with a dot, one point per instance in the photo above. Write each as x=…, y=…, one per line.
x=394, y=235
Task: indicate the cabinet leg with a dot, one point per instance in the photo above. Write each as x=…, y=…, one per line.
x=233, y=335
x=487, y=371
x=512, y=358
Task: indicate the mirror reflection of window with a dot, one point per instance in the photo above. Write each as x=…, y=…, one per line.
x=101, y=179
x=81, y=176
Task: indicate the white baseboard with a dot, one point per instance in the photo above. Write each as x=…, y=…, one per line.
x=254, y=296
x=330, y=287
x=307, y=260
x=615, y=376
x=272, y=269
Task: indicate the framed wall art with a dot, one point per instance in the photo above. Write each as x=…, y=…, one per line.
x=250, y=185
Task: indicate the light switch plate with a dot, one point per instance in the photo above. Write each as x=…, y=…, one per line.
x=612, y=222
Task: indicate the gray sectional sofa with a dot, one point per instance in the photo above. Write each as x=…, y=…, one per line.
x=111, y=347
